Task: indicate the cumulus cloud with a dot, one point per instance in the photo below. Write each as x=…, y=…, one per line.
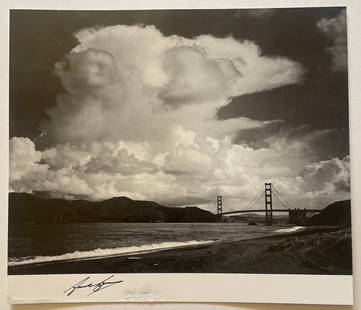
x=336, y=29
x=119, y=161
x=28, y=171
x=86, y=71
x=24, y=157
x=120, y=75
x=138, y=118
x=192, y=77
x=192, y=169
x=326, y=176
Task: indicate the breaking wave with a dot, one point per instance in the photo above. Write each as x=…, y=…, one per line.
x=287, y=230
x=102, y=253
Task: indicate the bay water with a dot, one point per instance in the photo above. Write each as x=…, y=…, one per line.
x=37, y=243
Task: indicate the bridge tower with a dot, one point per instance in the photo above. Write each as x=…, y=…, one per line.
x=268, y=203
x=219, y=205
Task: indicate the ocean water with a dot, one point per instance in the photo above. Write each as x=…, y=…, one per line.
x=37, y=243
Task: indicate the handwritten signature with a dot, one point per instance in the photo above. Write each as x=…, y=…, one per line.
x=96, y=287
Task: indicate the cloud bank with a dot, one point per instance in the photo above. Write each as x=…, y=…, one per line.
x=336, y=29
x=138, y=118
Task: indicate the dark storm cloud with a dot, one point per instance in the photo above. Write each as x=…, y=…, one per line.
x=257, y=138
x=333, y=142
x=320, y=102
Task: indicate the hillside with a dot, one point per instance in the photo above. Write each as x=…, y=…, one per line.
x=27, y=208
x=336, y=214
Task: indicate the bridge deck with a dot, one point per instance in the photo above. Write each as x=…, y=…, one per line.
x=274, y=210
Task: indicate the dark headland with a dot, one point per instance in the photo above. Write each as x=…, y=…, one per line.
x=28, y=208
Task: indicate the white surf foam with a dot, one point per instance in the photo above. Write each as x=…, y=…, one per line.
x=101, y=253
x=287, y=230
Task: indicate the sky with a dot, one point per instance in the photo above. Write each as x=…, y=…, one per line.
x=180, y=106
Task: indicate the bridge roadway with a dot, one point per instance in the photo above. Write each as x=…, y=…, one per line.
x=274, y=210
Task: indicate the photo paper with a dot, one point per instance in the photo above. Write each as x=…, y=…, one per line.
x=179, y=155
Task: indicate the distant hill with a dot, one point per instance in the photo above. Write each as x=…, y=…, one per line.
x=257, y=218
x=336, y=214
x=27, y=208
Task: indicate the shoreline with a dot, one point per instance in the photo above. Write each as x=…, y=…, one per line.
x=131, y=253
x=253, y=255
x=197, y=243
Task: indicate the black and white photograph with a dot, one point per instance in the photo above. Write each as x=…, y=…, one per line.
x=179, y=141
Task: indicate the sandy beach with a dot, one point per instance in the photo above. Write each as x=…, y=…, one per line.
x=310, y=251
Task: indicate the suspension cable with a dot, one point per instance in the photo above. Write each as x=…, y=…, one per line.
x=281, y=196
x=283, y=203
x=254, y=200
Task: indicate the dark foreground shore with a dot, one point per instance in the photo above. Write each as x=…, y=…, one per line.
x=312, y=251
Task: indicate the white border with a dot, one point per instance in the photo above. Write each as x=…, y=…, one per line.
x=289, y=289
x=191, y=287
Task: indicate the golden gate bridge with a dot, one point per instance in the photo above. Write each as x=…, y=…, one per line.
x=268, y=193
